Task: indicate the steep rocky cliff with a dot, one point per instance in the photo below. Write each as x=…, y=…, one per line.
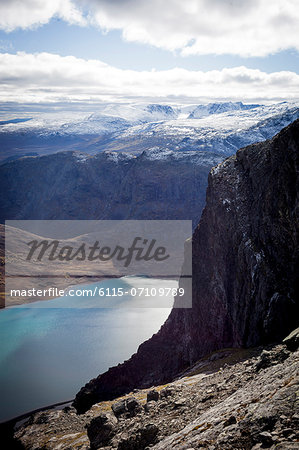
x=245, y=270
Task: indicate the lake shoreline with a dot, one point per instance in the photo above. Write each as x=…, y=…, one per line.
x=29, y=300
x=50, y=338
x=96, y=279
x=8, y=427
x=26, y=415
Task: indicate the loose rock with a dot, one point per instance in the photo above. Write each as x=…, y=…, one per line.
x=101, y=429
x=153, y=395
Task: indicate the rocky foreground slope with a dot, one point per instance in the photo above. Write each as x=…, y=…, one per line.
x=245, y=270
x=231, y=399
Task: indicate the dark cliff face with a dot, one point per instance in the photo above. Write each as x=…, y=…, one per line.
x=70, y=185
x=245, y=270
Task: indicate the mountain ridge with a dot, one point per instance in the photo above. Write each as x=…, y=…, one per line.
x=219, y=127
x=109, y=185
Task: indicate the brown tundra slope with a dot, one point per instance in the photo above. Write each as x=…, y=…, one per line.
x=245, y=270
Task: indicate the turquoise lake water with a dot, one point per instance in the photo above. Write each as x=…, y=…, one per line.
x=49, y=350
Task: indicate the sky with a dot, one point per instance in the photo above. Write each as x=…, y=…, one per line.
x=140, y=50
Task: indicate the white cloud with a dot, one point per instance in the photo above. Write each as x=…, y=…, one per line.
x=48, y=77
x=239, y=27
x=29, y=13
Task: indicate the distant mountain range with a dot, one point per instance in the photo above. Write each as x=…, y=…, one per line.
x=214, y=127
x=135, y=161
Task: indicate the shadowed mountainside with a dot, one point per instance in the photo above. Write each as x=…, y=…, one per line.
x=72, y=185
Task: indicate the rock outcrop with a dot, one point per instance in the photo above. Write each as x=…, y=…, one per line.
x=245, y=270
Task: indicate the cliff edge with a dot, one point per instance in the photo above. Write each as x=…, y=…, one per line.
x=245, y=270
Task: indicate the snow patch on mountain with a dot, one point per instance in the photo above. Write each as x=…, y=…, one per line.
x=196, y=157
x=81, y=157
x=115, y=156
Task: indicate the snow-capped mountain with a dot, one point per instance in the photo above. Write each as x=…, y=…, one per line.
x=215, y=127
x=220, y=132
x=106, y=119
x=218, y=108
